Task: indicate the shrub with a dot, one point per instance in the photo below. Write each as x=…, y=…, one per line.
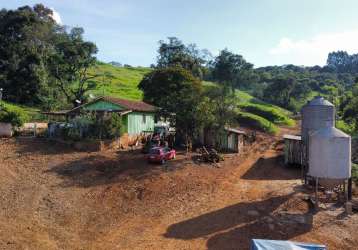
x=90, y=126
x=12, y=114
x=345, y=127
x=112, y=127
x=355, y=172
x=269, y=113
x=255, y=121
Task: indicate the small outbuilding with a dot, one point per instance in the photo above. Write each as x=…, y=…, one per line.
x=233, y=140
x=293, y=150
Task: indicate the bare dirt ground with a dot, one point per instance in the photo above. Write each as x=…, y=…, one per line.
x=55, y=198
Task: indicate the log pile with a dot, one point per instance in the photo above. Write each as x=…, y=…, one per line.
x=210, y=155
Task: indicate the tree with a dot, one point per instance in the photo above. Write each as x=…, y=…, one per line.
x=217, y=109
x=70, y=65
x=231, y=69
x=25, y=45
x=342, y=62
x=175, y=54
x=280, y=91
x=349, y=107
x=177, y=93
x=339, y=60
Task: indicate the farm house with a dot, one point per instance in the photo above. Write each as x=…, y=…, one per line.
x=137, y=116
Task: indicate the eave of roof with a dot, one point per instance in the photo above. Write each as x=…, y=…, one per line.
x=236, y=131
x=128, y=104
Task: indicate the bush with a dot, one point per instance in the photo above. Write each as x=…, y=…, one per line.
x=269, y=113
x=345, y=127
x=90, y=126
x=112, y=127
x=12, y=114
x=355, y=172
x=255, y=121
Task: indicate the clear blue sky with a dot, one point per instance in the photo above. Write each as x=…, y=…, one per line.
x=265, y=32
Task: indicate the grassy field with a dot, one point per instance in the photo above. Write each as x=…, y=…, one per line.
x=270, y=113
x=256, y=122
x=28, y=111
x=118, y=81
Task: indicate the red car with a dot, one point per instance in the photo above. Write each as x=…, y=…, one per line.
x=160, y=155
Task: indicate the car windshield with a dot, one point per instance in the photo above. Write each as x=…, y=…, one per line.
x=154, y=151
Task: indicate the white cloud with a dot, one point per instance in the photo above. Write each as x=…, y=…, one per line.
x=56, y=16
x=314, y=51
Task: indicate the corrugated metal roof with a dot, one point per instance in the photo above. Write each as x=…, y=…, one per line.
x=131, y=105
x=128, y=104
x=236, y=131
x=292, y=137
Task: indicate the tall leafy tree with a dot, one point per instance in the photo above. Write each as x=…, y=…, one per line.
x=217, y=109
x=70, y=65
x=177, y=92
x=25, y=45
x=231, y=69
x=175, y=54
x=280, y=91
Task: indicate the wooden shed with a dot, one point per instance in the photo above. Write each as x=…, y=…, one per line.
x=293, y=149
x=233, y=140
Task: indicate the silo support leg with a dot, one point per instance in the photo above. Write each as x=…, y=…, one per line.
x=350, y=189
x=316, y=195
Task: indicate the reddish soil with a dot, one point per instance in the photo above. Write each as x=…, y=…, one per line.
x=55, y=198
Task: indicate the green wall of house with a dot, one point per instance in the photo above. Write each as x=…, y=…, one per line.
x=139, y=122
x=102, y=106
x=133, y=123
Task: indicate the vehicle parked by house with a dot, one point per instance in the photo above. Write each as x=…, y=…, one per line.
x=161, y=154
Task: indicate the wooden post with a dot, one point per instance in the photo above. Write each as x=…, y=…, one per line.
x=35, y=129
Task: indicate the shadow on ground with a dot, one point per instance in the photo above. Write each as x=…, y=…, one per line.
x=97, y=169
x=41, y=146
x=271, y=169
x=241, y=224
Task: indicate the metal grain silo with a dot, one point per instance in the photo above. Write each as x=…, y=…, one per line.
x=317, y=113
x=329, y=154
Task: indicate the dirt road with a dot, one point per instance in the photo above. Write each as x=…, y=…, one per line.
x=54, y=198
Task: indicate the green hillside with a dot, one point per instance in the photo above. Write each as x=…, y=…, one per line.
x=123, y=82
x=118, y=81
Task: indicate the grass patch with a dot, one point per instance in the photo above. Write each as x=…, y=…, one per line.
x=14, y=114
x=256, y=122
x=119, y=82
x=271, y=114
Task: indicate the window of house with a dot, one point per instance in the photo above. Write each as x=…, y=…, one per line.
x=144, y=119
